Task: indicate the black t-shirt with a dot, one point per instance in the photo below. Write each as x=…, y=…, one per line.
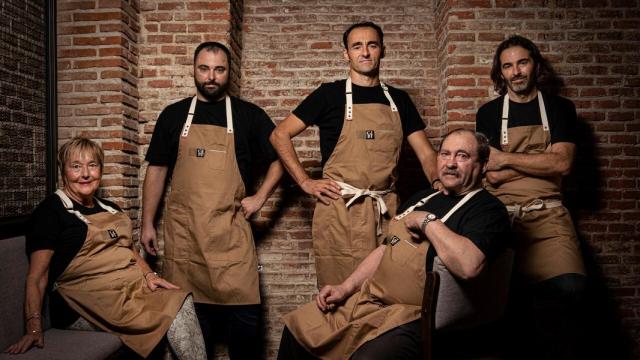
x=560, y=111
x=52, y=227
x=483, y=220
x=251, y=126
x=325, y=108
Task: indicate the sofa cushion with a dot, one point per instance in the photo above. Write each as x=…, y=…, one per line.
x=72, y=344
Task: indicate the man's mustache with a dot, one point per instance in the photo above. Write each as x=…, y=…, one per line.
x=450, y=172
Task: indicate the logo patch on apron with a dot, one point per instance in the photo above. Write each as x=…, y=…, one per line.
x=200, y=152
x=394, y=240
x=369, y=134
x=112, y=234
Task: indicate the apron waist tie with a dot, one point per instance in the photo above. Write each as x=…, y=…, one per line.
x=517, y=211
x=375, y=194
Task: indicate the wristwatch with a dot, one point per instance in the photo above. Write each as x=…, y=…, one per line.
x=427, y=219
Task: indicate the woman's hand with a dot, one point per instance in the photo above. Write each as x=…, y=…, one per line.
x=26, y=342
x=154, y=281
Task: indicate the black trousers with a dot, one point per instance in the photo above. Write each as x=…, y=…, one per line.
x=239, y=326
x=545, y=320
x=402, y=343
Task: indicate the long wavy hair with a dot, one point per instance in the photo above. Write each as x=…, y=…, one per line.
x=544, y=75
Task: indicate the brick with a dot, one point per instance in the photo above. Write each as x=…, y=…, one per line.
x=76, y=29
x=171, y=6
x=441, y=57
x=75, y=53
x=106, y=40
x=83, y=64
x=173, y=28
x=98, y=16
x=207, y=5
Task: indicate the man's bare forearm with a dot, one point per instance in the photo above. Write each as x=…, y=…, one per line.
x=364, y=271
x=273, y=175
x=499, y=177
x=152, y=192
x=425, y=153
x=281, y=140
x=557, y=161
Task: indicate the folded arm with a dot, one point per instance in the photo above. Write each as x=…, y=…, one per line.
x=461, y=256
x=556, y=161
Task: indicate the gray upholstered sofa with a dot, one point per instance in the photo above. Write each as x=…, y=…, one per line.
x=59, y=344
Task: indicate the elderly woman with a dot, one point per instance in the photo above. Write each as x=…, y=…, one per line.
x=82, y=255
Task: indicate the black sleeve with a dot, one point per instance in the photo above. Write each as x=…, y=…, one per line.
x=563, y=121
x=43, y=227
x=486, y=124
x=163, y=147
x=409, y=115
x=314, y=106
x=487, y=226
x=261, y=147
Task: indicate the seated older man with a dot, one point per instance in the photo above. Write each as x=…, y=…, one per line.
x=375, y=312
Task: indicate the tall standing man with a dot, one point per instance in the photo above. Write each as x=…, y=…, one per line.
x=362, y=124
x=532, y=149
x=209, y=144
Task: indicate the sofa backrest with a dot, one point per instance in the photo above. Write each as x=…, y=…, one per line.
x=466, y=304
x=13, y=272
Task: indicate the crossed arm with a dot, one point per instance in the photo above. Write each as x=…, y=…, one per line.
x=504, y=167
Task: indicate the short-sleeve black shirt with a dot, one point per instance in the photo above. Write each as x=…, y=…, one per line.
x=483, y=220
x=52, y=227
x=325, y=108
x=251, y=126
x=561, y=113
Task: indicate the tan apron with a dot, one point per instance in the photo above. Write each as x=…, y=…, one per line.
x=106, y=287
x=364, y=164
x=209, y=248
x=546, y=241
x=390, y=298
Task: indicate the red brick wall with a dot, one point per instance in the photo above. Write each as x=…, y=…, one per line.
x=289, y=50
x=170, y=32
x=439, y=51
x=97, y=87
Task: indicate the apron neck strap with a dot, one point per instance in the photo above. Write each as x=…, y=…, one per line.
x=349, y=96
x=68, y=205
x=459, y=204
x=192, y=111
x=504, y=134
x=448, y=214
x=394, y=108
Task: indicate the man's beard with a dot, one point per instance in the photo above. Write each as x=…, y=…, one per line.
x=211, y=94
x=524, y=88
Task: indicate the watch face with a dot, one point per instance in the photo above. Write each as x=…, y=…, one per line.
x=431, y=217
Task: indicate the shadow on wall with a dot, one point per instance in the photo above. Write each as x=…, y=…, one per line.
x=411, y=178
x=604, y=335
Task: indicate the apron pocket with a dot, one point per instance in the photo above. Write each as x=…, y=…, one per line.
x=216, y=157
